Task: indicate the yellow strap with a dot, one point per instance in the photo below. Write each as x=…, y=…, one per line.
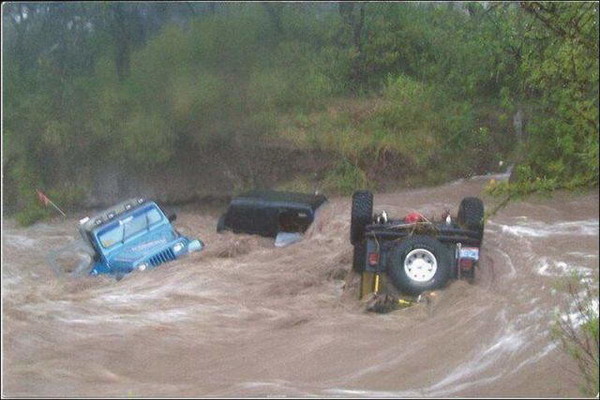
x=367, y=282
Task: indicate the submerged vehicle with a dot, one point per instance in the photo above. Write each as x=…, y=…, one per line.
x=133, y=235
x=282, y=215
x=414, y=254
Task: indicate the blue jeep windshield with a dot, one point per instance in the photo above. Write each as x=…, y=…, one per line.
x=124, y=228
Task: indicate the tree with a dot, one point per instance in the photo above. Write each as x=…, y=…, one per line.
x=354, y=22
x=561, y=71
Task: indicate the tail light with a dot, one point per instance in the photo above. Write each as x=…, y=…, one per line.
x=373, y=259
x=466, y=263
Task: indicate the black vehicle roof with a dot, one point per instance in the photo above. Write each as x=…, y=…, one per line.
x=266, y=198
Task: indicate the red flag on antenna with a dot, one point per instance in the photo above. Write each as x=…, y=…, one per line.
x=42, y=198
x=45, y=201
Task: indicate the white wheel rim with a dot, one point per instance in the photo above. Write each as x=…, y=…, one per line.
x=420, y=265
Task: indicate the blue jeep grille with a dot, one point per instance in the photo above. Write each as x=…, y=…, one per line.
x=162, y=257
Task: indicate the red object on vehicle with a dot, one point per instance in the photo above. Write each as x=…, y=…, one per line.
x=373, y=259
x=414, y=217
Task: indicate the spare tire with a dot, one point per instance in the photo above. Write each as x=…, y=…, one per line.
x=361, y=215
x=419, y=263
x=359, y=257
x=470, y=214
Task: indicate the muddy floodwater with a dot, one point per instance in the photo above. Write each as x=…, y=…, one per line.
x=245, y=318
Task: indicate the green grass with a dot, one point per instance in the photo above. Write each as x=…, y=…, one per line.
x=345, y=178
x=298, y=184
x=31, y=215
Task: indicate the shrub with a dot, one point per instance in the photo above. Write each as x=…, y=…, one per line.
x=345, y=178
x=31, y=214
x=577, y=331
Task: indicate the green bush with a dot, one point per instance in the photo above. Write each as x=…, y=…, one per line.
x=435, y=85
x=577, y=330
x=299, y=184
x=345, y=178
x=31, y=215
x=67, y=196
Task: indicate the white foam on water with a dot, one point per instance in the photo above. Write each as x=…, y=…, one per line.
x=490, y=356
x=531, y=320
x=539, y=229
x=537, y=357
x=373, y=393
x=284, y=388
x=380, y=366
x=276, y=383
x=581, y=254
x=508, y=344
x=167, y=315
x=577, y=318
x=124, y=298
x=554, y=268
x=14, y=280
x=145, y=318
x=513, y=270
x=18, y=241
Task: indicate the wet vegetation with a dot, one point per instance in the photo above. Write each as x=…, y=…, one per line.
x=577, y=330
x=396, y=93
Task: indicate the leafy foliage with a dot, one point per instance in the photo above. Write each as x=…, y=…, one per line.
x=561, y=69
x=578, y=332
x=345, y=178
x=433, y=85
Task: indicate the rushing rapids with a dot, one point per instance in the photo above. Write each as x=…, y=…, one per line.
x=245, y=318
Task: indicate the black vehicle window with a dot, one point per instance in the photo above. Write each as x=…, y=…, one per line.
x=261, y=220
x=294, y=220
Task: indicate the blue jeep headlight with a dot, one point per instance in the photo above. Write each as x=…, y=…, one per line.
x=195, y=245
x=178, y=247
x=142, y=266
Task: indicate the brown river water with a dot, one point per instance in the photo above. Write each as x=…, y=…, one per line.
x=244, y=318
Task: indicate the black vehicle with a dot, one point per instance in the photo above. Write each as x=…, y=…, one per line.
x=416, y=254
x=269, y=213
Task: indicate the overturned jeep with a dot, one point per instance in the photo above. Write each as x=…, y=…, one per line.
x=282, y=215
x=133, y=235
x=414, y=253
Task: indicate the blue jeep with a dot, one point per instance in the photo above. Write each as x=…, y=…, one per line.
x=133, y=235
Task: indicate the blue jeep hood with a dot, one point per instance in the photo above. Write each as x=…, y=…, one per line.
x=145, y=246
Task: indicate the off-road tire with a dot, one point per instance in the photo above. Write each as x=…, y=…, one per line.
x=361, y=215
x=396, y=264
x=359, y=257
x=221, y=224
x=470, y=215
